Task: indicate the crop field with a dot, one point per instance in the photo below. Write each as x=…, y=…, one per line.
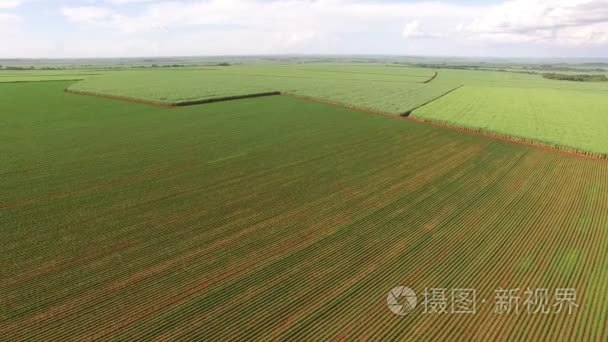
x=571, y=118
x=387, y=89
x=8, y=76
x=525, y=106
x=278, y=217
x=513, y=80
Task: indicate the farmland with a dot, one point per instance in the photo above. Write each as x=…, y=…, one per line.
x=570, y=118
x=11, y=76
x=525, y=106
x=279, y=217
x=382, y=88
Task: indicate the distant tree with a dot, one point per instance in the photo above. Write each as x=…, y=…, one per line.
x=576, y=78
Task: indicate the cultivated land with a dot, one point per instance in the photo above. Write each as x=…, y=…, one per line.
x=280, y=217
x=572, y=118
x=387, y=89
x=13, y=76
x=526, y=106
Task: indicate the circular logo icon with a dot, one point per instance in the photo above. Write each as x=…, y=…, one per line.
x=401, y=300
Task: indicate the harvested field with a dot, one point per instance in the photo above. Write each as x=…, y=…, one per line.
x=278, y=217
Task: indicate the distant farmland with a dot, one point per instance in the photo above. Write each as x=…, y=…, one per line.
x=526, y=106
x=386, y=89
x=14, y=76
x=571, y=118
x=281, y=218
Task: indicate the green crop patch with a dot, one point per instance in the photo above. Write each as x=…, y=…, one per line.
x=280, y=218
x=562, y=117
x=380, y=88
x=11, y=76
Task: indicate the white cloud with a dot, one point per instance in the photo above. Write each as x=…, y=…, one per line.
x=124, y=2
x=10, y=3
x=565, y=22
x=9, y=19
x=330, y=26
x=548, y=21
x=87, y=14
x=293, y=16
x=411, y=29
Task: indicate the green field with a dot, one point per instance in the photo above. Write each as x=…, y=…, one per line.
x=526, y=106
x=388, y=89
x=570, y=118
x=14, y=76
x=281, y=218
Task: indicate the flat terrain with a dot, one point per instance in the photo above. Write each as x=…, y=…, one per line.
x=572, y=118
x=279, y=217
x=14, y=76
x=383, y=88
x=527, y=106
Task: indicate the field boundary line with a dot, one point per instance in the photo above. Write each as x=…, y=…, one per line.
x=225, y=98
x=360, y=73
x=29, y=81
x=170, y=104
x=432, y=78
x=341, y=104
x=410, y=111
x=470, y=131
x=120, y=98
x=405, y=116
x=510, y=139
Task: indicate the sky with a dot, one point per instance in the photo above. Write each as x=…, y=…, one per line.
x=135, y=28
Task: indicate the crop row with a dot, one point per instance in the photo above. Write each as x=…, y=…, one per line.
x=393, y=93
x=237, y=221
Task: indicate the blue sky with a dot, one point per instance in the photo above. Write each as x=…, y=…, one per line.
x=113, y=28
